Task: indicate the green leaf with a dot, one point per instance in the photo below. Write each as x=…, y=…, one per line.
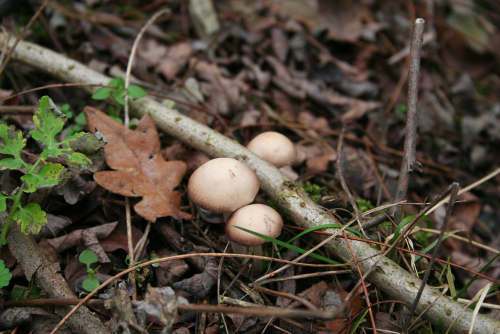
x=11, y=141
x=34, y=293
x=90, y=284
x=9, y=163
x=3, y=201
x=284, y=244
x=76, y=161
x=117, y=82
x=101, y=93
x=87, y=257
x=88, y=144
x=48, y=123
x=31, y=218
x=17, y=292
x=136, y=92
x=119, y=99
x=48, y=176
x=5, y=275
x=81, y=120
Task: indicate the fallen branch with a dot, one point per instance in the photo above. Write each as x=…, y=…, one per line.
x=290, y=199
x=48, y=278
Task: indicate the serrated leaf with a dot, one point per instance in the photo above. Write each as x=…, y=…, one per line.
x=11, y=140
x=87, y=257
x=9, y=163
x=88, y=144
x=76, y=161
x=31, y=217
x=101, y=93
x=5, y=275
x=90, y=284
x=49, y=125
x=48, y=176
x=3, y=201
x=136, y=92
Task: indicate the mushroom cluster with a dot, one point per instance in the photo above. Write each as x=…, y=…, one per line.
x=227, y=186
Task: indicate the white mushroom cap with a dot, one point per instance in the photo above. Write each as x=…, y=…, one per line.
x=273, y=147
x=254, y=217
x=223, y=185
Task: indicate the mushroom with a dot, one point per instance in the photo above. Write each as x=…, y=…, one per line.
x=223, y=185
x=273, y=147
x=258, y=218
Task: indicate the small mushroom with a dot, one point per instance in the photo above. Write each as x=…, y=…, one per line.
x=257, y=218
x=223, y=185
x=274, y=147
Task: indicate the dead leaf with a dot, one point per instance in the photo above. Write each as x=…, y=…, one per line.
x=200, y=284
x=223, y=94
x=140, y=167
x=170, y=271
x=280, y=43
x=176, y=58
x=342, y=17
x=71, y=240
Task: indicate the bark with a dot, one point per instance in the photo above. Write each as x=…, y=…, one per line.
x=290, y=199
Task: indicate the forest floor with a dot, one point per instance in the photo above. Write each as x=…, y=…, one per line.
x=328, y=75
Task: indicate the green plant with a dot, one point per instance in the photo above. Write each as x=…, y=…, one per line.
x=364, y=205
x=5, y=275
x=42, y=174
x=119, y=91
x=87, y=257
x=313, y=190
x=22, y=292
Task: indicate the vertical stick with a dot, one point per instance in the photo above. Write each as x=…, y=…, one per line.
x=409, y=161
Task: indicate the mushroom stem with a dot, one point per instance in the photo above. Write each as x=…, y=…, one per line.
x=257, y=263
x=238, y=249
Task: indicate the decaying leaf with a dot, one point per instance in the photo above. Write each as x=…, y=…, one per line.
x=140, y=169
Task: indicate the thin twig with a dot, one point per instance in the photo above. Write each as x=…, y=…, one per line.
x=410, y=163
x=132, y=56
x=344, y=184
x=11, y=51
x=453, y=189
x=185, y=256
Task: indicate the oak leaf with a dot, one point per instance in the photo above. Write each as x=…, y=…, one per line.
x=140, y=169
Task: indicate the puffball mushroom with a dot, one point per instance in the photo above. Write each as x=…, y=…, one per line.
x=257, y=218
x=274, y=147
x=223, y=185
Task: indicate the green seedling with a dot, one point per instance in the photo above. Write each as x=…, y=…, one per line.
x=119, y=91
x=42, y=174
x=87, y=258
x=5, y=275
x=30, y=292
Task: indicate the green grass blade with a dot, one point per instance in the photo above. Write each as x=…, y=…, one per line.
x=286, y=245
x=474, y=278
x=431, y=246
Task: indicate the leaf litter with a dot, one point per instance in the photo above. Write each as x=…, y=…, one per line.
x=271, y=60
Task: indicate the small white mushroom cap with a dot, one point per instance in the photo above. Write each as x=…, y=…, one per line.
x=223, y=185
x=273, y=147
x=254, y=217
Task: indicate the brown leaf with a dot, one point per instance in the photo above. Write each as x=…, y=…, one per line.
x=140, y=167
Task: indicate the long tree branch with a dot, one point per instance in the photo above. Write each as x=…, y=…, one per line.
x=289, y=197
